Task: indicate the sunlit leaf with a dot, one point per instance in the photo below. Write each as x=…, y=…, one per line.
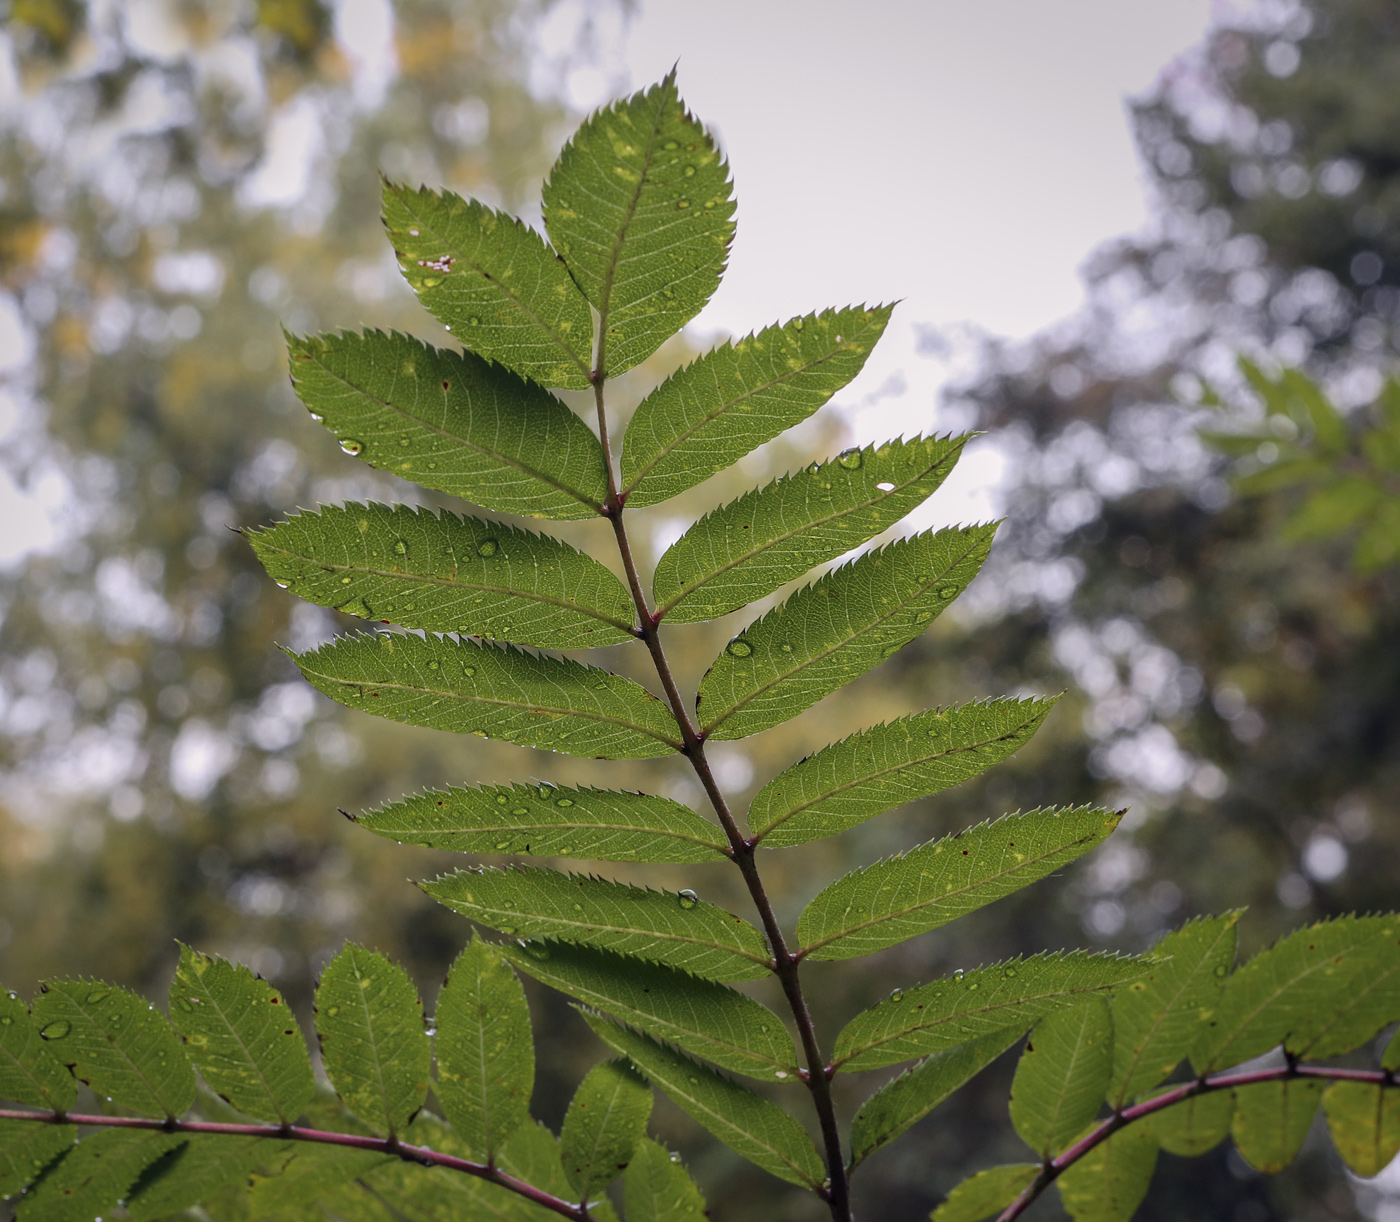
x=1364, y=1120
x=29, y=1071
x=1063, y=1076
x=1272, y=1119
x=606, y=1119
x=986, y=1193
x=658, y=1189
x=1111, y=1180
x=203, y=1168
x=26, y=1148
x=1196, y=1125
x=95, y=1175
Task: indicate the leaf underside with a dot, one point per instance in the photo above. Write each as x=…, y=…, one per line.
x=986, y=1193
x=658, y=1189
x=1111, y=1181
x=606, y=1119
x=1364, y=1120
x=1195, y=1125
x=29, y=1073
x=1272, y=1119
x=1063, y=1075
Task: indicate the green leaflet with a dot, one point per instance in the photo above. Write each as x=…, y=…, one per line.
x=310, y=1173
x=730, y=401
x=1157, y=1016
x=242, y=1036
x=705, y=1018
x=916, y=1092
x=834, y=630
x=485, y=1050
x=1062, y=1076
x=944, y=1013
x=986, y=1193
x=1196, y=1125
x=888, y=765
x=94, y=1175
x=1271, y=1121
x=29, y=1072
x=26, y=1148
x=1390, y=1058
x=451, y=421
x=657, y=1188
x=493, y=692
x=1110, y=1182
x=1294, y=990
x=493, y=282
x=113, y=1040
x=1364, y=1120
x=447, y=574
x=746, y=1122
x=203, y=1168
x=904, y=896
x=640, y=206
x=606, y=1119
x=1371, y=1001
x=549, y=821
x=675, y=929
x=373, y=1045
x=751, y=546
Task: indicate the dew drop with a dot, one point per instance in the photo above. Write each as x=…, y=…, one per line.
x=501, y=799
x=780, y=1073
x=519, y=810
x=689, y=171
x=536, y=950
x=687, y=898
x=947, y=591
x=785, y=647
x=798, y=324
x=851, y=459
x=345, y=581
x=351, y=446
x=433, y=665
x=469, y=671
x=503, y=845
x=1222, y=970
x=738, y=648
x=675, y=1156
x=885, y=486
x=487, y=547
x=333, y=1011
x=57, y=1029
x=896, y=994
x=668, y=146
x=1009, y=972
x=475, y=322
x=98, y=995
x=682, y=203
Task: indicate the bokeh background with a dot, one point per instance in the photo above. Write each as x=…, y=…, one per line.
x=181, y=178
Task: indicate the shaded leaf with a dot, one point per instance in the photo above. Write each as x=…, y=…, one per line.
x=1378, y=545
x=243, y=1037
x=485, y=1050
x=606, y=1119
x=705, y=1018
x=746, y=1122
x=493, y=692
x=888, y=765
x=1371, y=1001
x=532, y=1154
x=373, y=1044
x=1390, y=1058
x=114, y=1041
x=1196, y=1125
x=834, y=630
x=904, y=896
x=447, y=573
x=1063, y=1075
x=640, y=206
x=730, y=401
x=1111, y=1180
x=1364, y=1120
x=203, y=1168
x=675, y=929
x=451, y=421
x=1331, y=509
x=986, y=1193
x=26, y=1148
x=956, y=1009
x=910, y=1097
x=493, y=282
x=658, y=1189
x=1272, y=1119
x=310, y=1173
x=29, y=1072
x=95, y=1175
x=549, y=821
x=750, y=547
x=1157, y=1017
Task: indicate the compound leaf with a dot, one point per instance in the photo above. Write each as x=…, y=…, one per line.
x=904, y=896
x=1295, y=990
x=373, y=1044
x=446, y=573
x=493, y=692
x=640, y=206
x=1272, y=1119
x=657, y=1188
x=242, y=1036
x=1111, y=1180
x=1156, y=1017
x=730, y=401
x=1063, y=1075
x=29, y=1072
x=986, y=1193
x=834, y=630
x=888, y=765
x=1195, y=1125
x=549, y=821
x=675, y=929
x=26, y=1148
x=750, y=547
x=956, y=1009
x=916, y=1092
x=746, y=1122
x=1371, y=1001
x=493, y=282
x=485, y=1053
x=705, y=1018
x=451, y=421
x=204, y=1168
x=1364, y=1120
x=114, y=1041
x=606, y=1119
x=95, y=1175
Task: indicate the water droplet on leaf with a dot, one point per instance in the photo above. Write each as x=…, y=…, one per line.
x=850, y=459
x=738, y=648
x=351, y=446
x=57, y=1029
x=487, y=547
x=687, y=898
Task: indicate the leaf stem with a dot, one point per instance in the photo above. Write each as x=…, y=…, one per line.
x=1201, y=1086
x=382, y=1145
x=741, y=850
